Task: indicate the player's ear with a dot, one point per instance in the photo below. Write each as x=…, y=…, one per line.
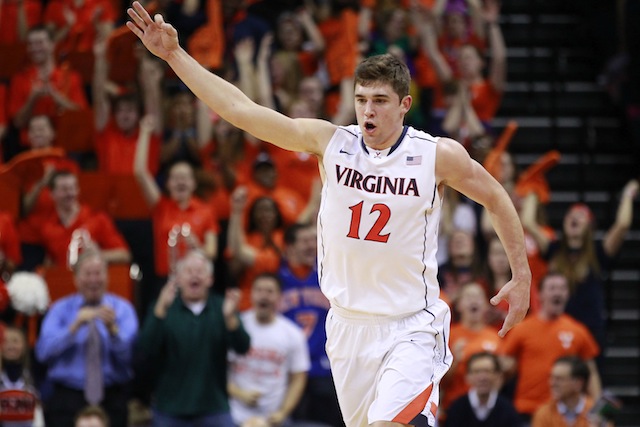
x=406, y=103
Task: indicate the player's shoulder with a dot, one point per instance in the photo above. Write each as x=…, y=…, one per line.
x=420, y=136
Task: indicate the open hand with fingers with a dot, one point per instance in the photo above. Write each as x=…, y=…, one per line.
x=517, y=293
x=159, y=37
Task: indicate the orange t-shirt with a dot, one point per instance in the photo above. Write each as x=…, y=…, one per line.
x=9, y=240
x=9, y=18
x=486, y=339
x=548, y=416
x=62, y=78
x=341, y=41
x=267, y=261
x=116, y=151
x=82, y=34
x=537, y=264
x=166, y=214
x=44, y=206
x=485, y=100
x=296, y=171
x=55, y=237
x=536, y=344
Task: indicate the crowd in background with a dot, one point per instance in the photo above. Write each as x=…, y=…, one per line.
x=224, y=211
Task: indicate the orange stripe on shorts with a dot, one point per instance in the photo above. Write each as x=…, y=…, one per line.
x=415, y=407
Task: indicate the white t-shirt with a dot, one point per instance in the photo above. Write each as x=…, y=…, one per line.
x=277, y=349
x=378, y=224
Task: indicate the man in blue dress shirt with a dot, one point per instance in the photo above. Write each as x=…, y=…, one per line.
x=86, y=341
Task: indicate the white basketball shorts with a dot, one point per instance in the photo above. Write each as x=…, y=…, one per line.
x=388, y=368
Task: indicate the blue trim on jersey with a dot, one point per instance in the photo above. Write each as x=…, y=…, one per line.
x=405, y=129
x=424, y=264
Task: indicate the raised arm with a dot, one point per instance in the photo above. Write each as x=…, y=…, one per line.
x=99, y=84
x=308, y=135
x=498, y=69
x=425, y=22
x=148, y=185
x=615, y=235
x=456, y=169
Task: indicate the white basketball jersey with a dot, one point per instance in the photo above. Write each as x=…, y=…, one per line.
x=378, y=224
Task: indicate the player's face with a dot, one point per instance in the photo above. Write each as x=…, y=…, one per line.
x=265, y=297
x=380, y=113
x=91, y=279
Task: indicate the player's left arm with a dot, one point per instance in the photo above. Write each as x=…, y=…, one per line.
x=456, y=169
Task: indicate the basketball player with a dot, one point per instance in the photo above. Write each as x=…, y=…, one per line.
x=377, y=229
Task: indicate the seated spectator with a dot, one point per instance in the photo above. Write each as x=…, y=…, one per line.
x=119, y=129
x=86, y=341
x=256, y=248
x=92, y=416
x=43, y=87
x=76, y=24
x=19, y=398
x=532, y=346
x=70, y=215
x=471, y=334
x=16, y=17
x=176, y=209
x=303, y=303
x=570, y=403
x=186, y=338
x=482, y=406
x=269, y=380
x=582, y=259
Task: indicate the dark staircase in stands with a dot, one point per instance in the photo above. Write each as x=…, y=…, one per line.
x=553, y=94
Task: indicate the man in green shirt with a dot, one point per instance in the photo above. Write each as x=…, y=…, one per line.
x=187, y=336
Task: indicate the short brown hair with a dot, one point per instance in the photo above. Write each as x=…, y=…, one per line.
x=384, y=68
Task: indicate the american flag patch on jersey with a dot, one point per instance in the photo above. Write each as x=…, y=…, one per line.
x=414, y=160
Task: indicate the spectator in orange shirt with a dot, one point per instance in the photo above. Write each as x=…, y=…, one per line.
x=117, y=121
x=468, y=336
x=179, y=207
x=258, y=248
x=582, y=258
x=37, y=203
x=76, y=24
x=531, y=348
x=297, y=32
x=485, y=93
x=570, y=404
x=56, y=231
x=43, y=87
x=16, y=17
